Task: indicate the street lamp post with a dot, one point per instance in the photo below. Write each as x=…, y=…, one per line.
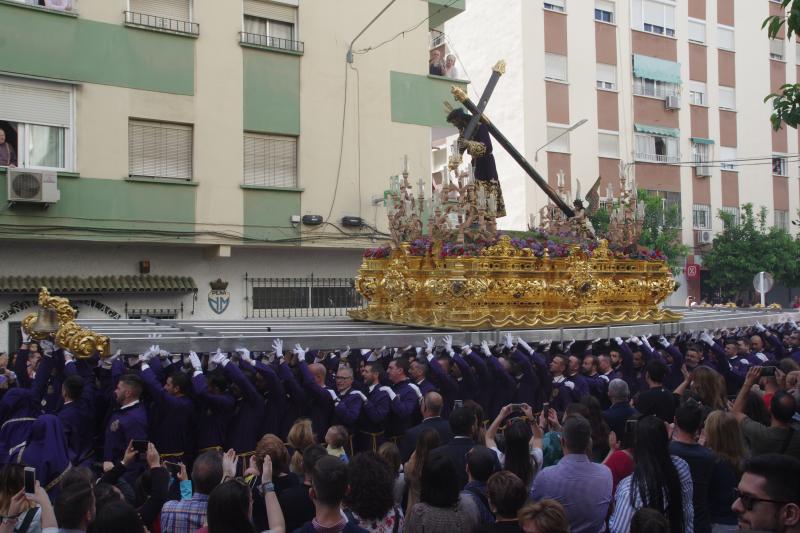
x=573, y=127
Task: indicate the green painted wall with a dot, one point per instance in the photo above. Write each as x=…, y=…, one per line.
x=44, y=44
x=107, y=204
x=440, y=11
x=267, y=214
x=271, y=92
x=420, y=99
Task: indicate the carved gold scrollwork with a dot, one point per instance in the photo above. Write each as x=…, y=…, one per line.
x=80, y=342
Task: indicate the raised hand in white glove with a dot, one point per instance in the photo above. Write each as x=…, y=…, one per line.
x=299, y=352
x=244, y=353
x=521, y=342
x=485, y=349
x=68, y=357
x=570, y=385
x=509, y=340
x=618, y=340
x=759, y=327
x=429, y=344
x=195, y=363
x=635, y=340
x=706, y=338
x=47, y=347
x=277, y=347
x=662, y=340
x=448, y=344
x=220, y=358
x=645, y=341
x=389, y=391
x=345, y=353
x=106, y=363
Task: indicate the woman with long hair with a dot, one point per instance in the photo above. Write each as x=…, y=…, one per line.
x=12, y=480
x=522, y=453
x=724, y=437
x=599, y=428
x=428, y=441
x=230, y=505
x=707, y=386
x=659, y=481
x=441, y=508
x=301, y=436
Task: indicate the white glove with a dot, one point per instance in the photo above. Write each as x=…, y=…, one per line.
x=429, y=344
x=509, y=340
x=645, y=341
x=26, y=339
x=68, y=357
x=106, y=363
x=220, y=358
x=618, y=340
x=397, y=353
x=163, y=354
x=389, y=391
x=245, y=354
x=545, y=344
x=569, y=344
x=360, y=394
x=635, y=340
x=365, y=351
x=485, y=349
x=448, y=344
x=176, y=358
x=706, y=338
x=277, y=347
x=345, y=353
x=195, y=363
x=759, y=327
x=466, y=349
x=663, y=341
x=300, y=352
x=48, y=347
x=525, y=345
x=418, y=349
x=793, y=323
x=570, y=385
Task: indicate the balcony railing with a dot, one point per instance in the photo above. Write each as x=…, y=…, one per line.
x=265, y=41
x=437, y=38
x=161, y=23
x=657, y=158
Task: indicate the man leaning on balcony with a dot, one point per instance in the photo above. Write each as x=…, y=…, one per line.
x=8, y=156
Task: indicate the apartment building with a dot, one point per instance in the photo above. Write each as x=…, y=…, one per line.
x=671, y=92
x=162, y=145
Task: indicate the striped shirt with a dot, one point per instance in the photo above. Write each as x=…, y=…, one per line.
x=623, y=510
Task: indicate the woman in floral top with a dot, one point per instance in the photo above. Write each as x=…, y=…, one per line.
x=370, y=503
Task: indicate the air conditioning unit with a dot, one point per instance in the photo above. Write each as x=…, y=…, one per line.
x=672, y=102
x=704, y=236
x=702, y=171
x=32, y=186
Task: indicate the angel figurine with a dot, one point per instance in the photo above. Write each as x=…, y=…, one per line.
x=581, y=222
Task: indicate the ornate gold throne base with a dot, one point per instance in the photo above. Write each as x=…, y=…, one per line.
x=507, y=287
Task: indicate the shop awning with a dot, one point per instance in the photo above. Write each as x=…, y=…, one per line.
x=656, y=69
x=701, y=140
x=59, y=285
x=657, y=130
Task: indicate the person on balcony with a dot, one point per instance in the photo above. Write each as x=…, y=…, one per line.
x=8, y=156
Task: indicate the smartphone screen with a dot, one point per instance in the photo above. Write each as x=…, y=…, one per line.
x=173, y=468
x=545, y=408
x=458, y=403
x=30, y=480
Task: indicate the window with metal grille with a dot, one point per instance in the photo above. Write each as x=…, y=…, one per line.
x=159, y=150
x=271, y=25
x=656, y=148
x=302, y=297
x=782, y=219
x=701, y=216
x=270, y=160
x=656, y=88
x=733, y=212
x=669, y=200
x=169, y=15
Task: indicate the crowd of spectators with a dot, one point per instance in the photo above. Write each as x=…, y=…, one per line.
x=697, y=433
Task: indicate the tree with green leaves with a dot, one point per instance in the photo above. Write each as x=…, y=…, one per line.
x=786, y=104
x=743, y=250
x=662, y=229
